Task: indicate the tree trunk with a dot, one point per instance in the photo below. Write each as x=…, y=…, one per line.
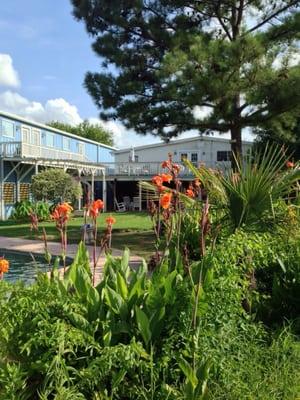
x=236, y=132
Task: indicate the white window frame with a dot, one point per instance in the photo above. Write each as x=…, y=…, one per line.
x=13, y=125
x=197, y=154
x=48, y=134
x=26, y=133
x=68, y=141
x=35, y=134
x=81, y=148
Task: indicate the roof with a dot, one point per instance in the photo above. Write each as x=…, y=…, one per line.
x=191, y=139
x=49, y=128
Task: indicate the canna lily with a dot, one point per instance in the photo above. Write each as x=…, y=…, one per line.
x=4, y=266
x=190, y=193
x=157, y=180
x=95, y=207
x=61, y=213
x=289, y=164
x=110, y=220
x=166, y=178
x=165, y=200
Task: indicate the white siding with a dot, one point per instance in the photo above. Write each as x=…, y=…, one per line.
x=205, y=148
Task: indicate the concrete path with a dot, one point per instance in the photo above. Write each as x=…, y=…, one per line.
x=37, y=246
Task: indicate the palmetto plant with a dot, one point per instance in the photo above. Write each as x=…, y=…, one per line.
x=249, y=193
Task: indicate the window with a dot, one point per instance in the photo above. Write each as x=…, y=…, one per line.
x=223, y=155
x=194, y=157
x=183, y=156
x=25, y=134
x=66, y=143
x=8, y=128
x=49, y=139
x=35, y=137
x=136, y=158
x=80, y=148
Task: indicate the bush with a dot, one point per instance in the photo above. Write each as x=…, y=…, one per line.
x=133, y=336
x=23, y=209
x=55, y=185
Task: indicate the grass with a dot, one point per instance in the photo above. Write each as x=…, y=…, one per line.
x=132, y=229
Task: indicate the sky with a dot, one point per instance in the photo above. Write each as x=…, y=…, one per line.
x=44, y=55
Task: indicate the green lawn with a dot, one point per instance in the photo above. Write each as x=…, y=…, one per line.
x=132, y=229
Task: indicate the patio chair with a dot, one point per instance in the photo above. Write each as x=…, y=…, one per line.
x=120, y=207
x=136, y=203
x=127, y=202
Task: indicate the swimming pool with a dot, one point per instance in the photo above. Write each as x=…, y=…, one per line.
x=23, y=266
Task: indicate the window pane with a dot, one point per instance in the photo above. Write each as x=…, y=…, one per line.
x=7, y=128
x=35, y=137
x=66, y=143
x=183, y=156
x=80, y=147
x=49, y=140
x=25, y=134
x=194, y=157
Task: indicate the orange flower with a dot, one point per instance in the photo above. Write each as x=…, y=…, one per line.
x=165, y=200
x=110, y=220
x=95, y=207
x=4, y=265
x=190, y=193
x=176, y=168
x=289, y=164
x=157, y=180
x=166, y=177
x=64, y=209
x=165, y=164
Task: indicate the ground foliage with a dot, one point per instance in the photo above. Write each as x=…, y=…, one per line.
x=132, y=336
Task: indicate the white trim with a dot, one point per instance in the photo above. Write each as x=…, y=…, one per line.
x=14, y=129
x=49, y=128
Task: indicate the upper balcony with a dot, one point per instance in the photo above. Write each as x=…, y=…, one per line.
x=24, y=150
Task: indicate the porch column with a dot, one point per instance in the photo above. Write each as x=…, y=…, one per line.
x=2, y=215
x=104, y=190
x=140, y=196
x=93, y=186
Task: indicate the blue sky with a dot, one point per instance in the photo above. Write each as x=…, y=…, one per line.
x=50, y=50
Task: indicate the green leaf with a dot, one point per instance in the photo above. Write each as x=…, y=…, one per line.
x=122, y=286
x=143, y=325
x=188, y=372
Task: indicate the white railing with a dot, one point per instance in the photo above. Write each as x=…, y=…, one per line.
x=10, y=149
x=139, y=169
x=19, y=149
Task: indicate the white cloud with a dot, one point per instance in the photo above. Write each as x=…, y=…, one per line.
x=291, y=59
x=201, y=112
x=8, y=75
x=124, y=137
x=52, y=110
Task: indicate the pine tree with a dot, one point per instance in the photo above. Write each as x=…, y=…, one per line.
x=170, y=66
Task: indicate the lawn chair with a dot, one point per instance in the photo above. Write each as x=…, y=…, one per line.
x=127, y=202
x=136, y=203
x=120, y=207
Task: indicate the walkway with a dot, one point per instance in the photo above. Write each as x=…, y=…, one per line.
x=37, y=247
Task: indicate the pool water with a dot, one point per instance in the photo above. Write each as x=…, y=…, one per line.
x=23, y=266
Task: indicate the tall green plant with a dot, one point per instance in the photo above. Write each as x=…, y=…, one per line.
x=248, y=194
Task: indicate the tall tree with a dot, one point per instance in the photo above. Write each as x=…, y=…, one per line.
x=172, y=65
x=87, y=130
x=283, y=131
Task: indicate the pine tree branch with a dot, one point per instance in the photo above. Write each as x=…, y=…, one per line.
x=275, y=14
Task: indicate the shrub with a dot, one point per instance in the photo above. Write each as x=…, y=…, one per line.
x=23, y=209
x=55, y=185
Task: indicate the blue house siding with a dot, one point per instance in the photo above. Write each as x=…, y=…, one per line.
x=105, y=155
